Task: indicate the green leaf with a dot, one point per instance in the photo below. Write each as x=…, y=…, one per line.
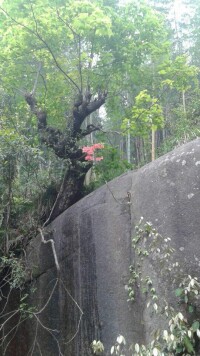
x=179, y=292
x=179, y=349
x=188, y=345
x=191, y=309
x=195, y=325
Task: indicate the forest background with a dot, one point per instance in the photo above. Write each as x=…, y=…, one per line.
x=129, y=73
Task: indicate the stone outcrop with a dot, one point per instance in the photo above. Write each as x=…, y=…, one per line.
x=93, y=245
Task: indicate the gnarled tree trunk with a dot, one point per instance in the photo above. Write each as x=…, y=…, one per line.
x=64, y=144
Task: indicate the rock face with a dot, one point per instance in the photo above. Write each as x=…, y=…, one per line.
x=93, y=245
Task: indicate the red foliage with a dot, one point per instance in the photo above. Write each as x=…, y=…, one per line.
x=89, y=150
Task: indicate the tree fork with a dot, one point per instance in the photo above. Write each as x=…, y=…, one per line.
x=65, y=146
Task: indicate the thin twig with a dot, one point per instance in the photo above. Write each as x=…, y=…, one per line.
x=31, y=350
x=13, y=336
x=10, y=317
x=117, y=200
x=48, y=300
x=7, y=298
x=81, y=313
x=79, y=62
x=16, y=326
x=38, y=345
x=37, y=35
x=50, y=331
x=78, y=45
x=51, y=52
x=36, y=79
x=66, y=23
x=54, y=205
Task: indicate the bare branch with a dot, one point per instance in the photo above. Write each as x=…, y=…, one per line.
x=50, y=331
x=86, y=107
x=48, y=300
x=79, y=62
x=69, y=193
x=10, y=317
x=78, y=45
x=4, y=308
x=36, y=79
x=67, y=24
x=52, y=54
x=37, y=35
x=89, y=129
x=34, y=341
x=40, y=114
x=14, y=334
x=78, y=306
x=2, y=339
x=51, y=241
x=55, y=203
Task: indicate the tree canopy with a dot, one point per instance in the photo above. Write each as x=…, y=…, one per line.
x=88, y=89
x=79, y=73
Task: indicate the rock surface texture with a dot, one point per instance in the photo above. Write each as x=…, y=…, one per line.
x=93, y=245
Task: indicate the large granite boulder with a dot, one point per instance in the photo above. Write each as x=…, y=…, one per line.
x=93, y=245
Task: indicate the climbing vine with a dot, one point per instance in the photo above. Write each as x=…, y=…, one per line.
x=182, y=333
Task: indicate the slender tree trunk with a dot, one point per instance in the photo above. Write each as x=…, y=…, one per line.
x=128, y=143
x=144, y=151
x=121, y=148
x=137, y=147
x=153, y=145
x=184, y=102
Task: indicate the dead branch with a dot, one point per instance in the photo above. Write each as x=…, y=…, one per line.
x=51, y=241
